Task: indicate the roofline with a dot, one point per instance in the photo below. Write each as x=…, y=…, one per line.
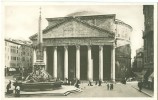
x=76, y=19
x=107, y=15
x=56, y=18
x=17, y=43
x=121, y=22
x=94, y=26
x=60, y=18
x=68, y=17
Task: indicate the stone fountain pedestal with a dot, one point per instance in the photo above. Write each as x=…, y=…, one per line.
x=39, y=79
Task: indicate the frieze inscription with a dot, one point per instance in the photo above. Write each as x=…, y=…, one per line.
x=81, y=41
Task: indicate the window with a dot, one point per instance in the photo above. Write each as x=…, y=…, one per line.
x=23, y=58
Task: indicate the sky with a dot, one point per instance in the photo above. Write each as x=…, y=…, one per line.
x=21, y=21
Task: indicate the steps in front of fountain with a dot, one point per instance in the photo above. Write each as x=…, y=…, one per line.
x=40, y=86
x=61, y=91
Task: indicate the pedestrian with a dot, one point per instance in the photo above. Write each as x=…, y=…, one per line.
x=90, y=83
x=8, y=87
x=17, y=91
x=125, y=80
x=111, y=85
x=67, y=81
x=99, y=83
x=96, y=82
x=70, y=82
x=15, y=84
x=77, y=83
x=140, y=85
x=108, y=86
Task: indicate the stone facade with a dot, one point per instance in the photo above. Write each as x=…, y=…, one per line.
x=83, y=47
x=17, y=54
x=123, y=62
x=138, y=63
x=148, y=11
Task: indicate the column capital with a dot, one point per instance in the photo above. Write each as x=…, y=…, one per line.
x=100, y=47
x=113, y=46
x=77, y=46
x=66, y=47
x=45, y=48
x=89, y=46
x=55, y=47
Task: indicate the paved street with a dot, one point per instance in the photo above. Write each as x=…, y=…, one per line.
x=120, y=90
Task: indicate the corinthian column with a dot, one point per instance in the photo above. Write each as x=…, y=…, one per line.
x=55, y=62
x=45, y=58
x=90, y=67
x=66, y=62
x=78, y=62
x=113, y=63
x=101, y=63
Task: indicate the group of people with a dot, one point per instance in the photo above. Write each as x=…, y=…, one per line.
x=110, y=86
x=69, y=82
x=96, y=82
x=17, y=89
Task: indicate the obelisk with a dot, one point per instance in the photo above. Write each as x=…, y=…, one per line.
x=39, y=64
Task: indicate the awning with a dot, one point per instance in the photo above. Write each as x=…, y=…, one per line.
x=140, y=74
x=151, y=77
x=12, y=69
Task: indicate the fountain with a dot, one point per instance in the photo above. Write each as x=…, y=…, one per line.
x=39, y=79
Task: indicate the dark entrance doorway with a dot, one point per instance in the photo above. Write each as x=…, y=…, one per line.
x=50, y=59
x=83, y=62
x=95, y=57
x=60, y=62
x=107, y=62
x=71, y=62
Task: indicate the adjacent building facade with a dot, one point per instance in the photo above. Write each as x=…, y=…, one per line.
x=148, y=11
x=123, y=62
x=84, y=47
x=18, y=55
x=138, y=63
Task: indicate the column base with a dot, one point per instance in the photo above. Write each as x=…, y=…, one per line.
x=113, y=80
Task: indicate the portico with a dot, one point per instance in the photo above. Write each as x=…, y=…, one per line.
x=74, y=49
x=83, y=62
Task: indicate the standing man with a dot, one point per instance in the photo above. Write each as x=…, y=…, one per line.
x=100, y=83
x=8, y=87
x=140, y=85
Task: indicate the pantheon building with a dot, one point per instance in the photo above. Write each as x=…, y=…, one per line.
x=86, y=46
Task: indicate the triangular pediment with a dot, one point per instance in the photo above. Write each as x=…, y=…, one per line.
x=75, y=28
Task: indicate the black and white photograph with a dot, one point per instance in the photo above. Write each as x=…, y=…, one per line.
x=80, y=50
